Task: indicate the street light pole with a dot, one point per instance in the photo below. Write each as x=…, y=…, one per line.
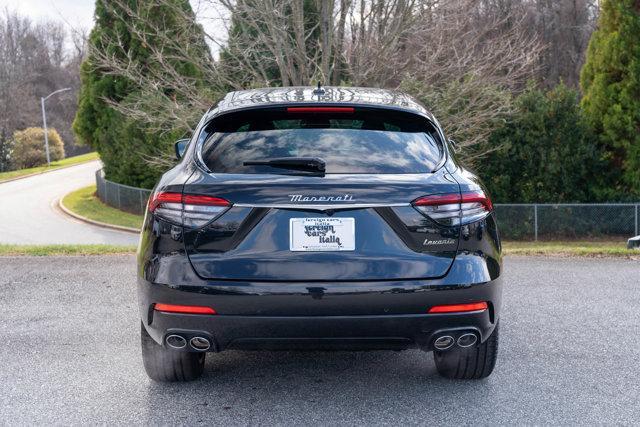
x=46, y=136
x=44, y=121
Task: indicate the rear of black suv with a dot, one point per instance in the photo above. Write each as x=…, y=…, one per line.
x=319, y=224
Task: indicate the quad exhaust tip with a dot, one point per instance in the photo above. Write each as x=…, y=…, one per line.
x=200, y=343
x=467, y=340
x=179, y=342
x=176, y=341
x=444, y=342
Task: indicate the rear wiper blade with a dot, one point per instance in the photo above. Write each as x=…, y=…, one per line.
x=310, y=164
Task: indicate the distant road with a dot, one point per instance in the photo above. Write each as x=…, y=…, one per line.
x=29, y=214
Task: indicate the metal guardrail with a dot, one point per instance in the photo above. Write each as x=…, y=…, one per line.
x=516, y=221
x=123, y=197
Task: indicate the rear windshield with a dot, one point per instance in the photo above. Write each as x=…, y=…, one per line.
x=363, y=141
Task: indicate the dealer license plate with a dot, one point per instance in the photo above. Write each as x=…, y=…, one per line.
x=322, y=234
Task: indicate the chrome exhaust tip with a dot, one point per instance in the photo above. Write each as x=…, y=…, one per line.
x=176, y=341
x=467, y=340
x=200, y=343
x=444, y=342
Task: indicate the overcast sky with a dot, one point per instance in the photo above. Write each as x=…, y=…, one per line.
x=78, y=14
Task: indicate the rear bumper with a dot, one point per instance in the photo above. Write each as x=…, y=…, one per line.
x=393, y=332
x=373, y=315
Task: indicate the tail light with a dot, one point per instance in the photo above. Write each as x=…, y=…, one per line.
x=455, y=209
x=192, y=210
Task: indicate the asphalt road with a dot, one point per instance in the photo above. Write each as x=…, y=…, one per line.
x=29, y=213
x=570, y=345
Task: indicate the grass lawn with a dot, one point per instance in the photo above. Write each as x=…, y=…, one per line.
x=46, y=250
x=4, y=176
x=85, y=203
x=615, y=248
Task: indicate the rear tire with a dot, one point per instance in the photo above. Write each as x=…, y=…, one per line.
x=469, y=363
x=166, y=365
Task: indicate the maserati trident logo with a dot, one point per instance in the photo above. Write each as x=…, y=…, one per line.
x=301, y=198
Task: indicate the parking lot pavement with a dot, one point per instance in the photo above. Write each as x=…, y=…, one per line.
x=570, y=345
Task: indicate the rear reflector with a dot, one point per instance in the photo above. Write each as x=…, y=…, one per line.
x=455, y=209
x=458, y=308
x=320, y=110
x=185, y=309
x=192, y=210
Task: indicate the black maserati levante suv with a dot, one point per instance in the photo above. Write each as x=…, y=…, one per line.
x=318, y=218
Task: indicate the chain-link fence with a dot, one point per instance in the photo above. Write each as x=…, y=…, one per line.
x=123, y=197
x=567, y=221
x=515, y=221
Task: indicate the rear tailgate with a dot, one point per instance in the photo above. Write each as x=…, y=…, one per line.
x=350, y=220
x=268, y=233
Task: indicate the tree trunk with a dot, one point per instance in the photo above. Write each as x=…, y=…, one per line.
x=326, y=32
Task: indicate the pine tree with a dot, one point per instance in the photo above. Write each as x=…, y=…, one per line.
x=547, y=152
x=610, y=81
x=126, y=146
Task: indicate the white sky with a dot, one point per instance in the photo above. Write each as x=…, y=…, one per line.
x=78, y=14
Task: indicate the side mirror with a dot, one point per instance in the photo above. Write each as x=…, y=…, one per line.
x=181, y=146
x=454, y=145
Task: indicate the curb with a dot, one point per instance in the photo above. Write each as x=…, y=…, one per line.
x=69, y=212
x=46, y=171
